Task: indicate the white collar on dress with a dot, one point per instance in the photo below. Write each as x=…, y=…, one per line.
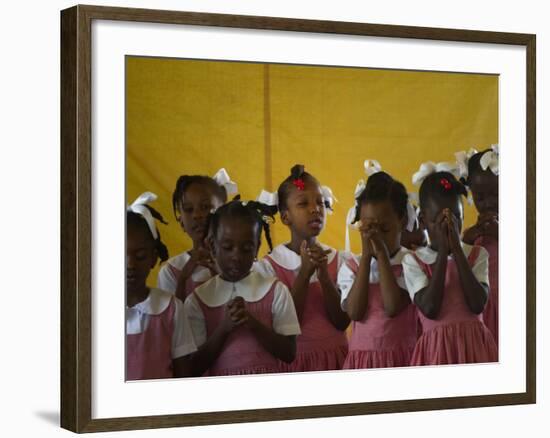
x=429, y=256
x=217, y=291
x=288, y=259
x=374, y=272
x=156, y=302
x=200, y=273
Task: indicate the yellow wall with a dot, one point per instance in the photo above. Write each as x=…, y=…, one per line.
x=256, y=120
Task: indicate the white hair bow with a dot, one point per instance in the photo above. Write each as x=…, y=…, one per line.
x=412, y=216
x=462, y=159
x=139, y=207
x=489, y=160
x=268, y=198
x=222, y=179
x=328, y=197
x=430, y=167
x=372, y=167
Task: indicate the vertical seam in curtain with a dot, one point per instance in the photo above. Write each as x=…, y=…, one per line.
x=268, y=175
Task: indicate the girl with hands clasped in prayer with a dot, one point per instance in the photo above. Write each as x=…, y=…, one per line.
x=194, y=198
x=384, y=327
x=309, y=269
x=447, y=280
x=480, y=175
x=242, y=322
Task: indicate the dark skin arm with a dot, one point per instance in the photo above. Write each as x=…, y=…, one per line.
x=358, y=297
x=475, y=293
x=280, y=346
x=182, y=366
x=430, y=298
x=300, y=286
x=200, y=257
x=331, y=294
x=395, y=298
x=206, y=355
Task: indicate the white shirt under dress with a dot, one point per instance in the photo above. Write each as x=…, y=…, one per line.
x=346, y=275
x=169, y=273
x=416, y=278
x=138, y=316
x=217, y=292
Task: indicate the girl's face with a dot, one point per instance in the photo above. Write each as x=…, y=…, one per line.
x=384, y=216
x=430, y=213
x=141, y=257
x=196, y=203
x=305, y=214
x=235, y=247
x=484, y=187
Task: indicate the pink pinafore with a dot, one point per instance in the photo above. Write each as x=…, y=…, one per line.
x=490, y=313
x=149, y=354
x=457, y=335
x=242, y=353
x=379, y=341
x=321, y=346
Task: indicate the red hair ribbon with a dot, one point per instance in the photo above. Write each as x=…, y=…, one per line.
x=445, y=183
x=299, y=183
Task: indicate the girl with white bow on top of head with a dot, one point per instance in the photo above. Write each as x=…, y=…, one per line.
x=194, y=198
x=384, y=322
x=447, y=280
x=158, y=336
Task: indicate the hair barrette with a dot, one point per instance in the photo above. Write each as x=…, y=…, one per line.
x=299, y=183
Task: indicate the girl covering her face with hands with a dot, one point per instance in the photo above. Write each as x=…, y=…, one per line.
x=447, y=280
x=384, y=327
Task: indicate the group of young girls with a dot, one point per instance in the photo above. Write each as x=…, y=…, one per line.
x=422, y=292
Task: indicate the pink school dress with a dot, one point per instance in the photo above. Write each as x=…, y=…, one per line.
x=266, y=298
x=170, y=271
x=378, y=341
x=156, y=333
x=490, y=313
x=457, y=335
x=321, y=346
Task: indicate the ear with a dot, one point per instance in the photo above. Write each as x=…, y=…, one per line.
x=285, y=217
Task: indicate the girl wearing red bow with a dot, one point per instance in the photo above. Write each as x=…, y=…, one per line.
x=448, y=280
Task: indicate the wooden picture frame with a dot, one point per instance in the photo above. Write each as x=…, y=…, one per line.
x=76, y=219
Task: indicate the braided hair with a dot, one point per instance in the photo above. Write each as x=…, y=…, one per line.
x=252, y=211
x=138, y=220
x=297, y=176
x=183, y=183
x=382, y=187
x=440, y=185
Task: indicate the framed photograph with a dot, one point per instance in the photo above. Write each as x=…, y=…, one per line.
x=149, y=95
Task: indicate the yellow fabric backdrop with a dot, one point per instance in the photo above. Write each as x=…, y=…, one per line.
x=257, y=120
